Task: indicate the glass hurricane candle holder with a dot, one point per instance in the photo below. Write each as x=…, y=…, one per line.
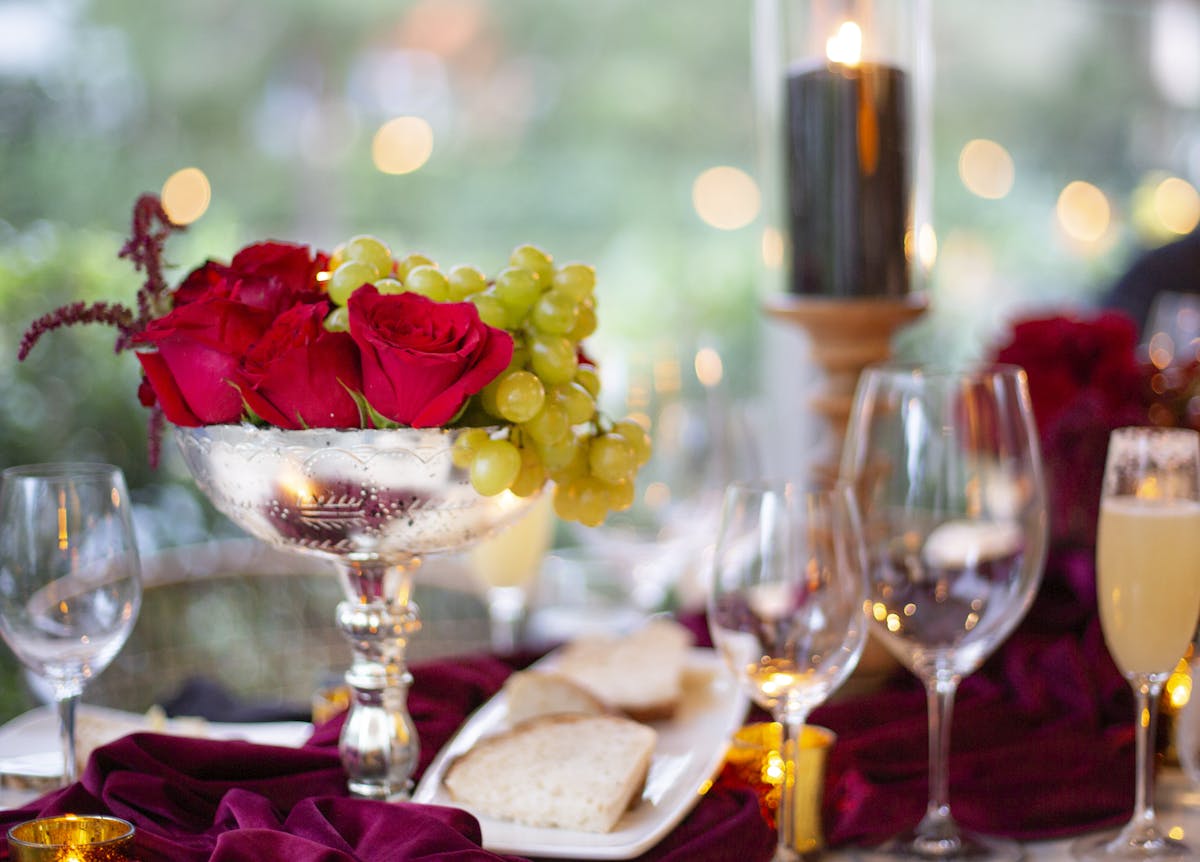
x=374, y=502
x=843, y=99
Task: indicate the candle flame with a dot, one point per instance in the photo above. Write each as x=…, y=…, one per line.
x=845, y=46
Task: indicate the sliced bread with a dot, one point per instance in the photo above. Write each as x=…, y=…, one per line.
x=640, y=674
x=565, y=771
x=530, y=693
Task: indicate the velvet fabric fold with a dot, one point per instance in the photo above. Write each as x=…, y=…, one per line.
x=1042, y=748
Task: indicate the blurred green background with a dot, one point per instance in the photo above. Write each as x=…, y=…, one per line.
x=581, y=127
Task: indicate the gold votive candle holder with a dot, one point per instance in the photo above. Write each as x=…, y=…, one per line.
x=754, y=756
x=71, y=838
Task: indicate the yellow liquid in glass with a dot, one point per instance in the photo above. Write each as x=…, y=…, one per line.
x=513, y=556
x=1148, y=580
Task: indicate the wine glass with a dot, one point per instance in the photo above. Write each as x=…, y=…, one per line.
x=70, y=582
x=1148, y=587
x=948, y=477
x=506, y=563
x=786, y=608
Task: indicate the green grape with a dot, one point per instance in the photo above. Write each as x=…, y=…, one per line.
x=587, y=377
x=611, y=458
x=487, y=399
x=591, y=504
x=518, y=288
x=464, y=281
x=520, y=355
x=371, y=251
x=411, y=262
x=428, y=281
x=347, y=278
x=574, y=468
x=550, y=424
x=585, y=322
x=462, y=453
x=495, y=467
x=576, y=401
x=491, y=309
x=576, y=280
x=532, y=475
x=566, y=502
x=338, y=320
x=337, y=257
x=553, y=358
x=558, y=454
x=621, y=495
x=519, y=396
x=637, y=437
x=555, y=313
x=535, y=260
x=389, y=286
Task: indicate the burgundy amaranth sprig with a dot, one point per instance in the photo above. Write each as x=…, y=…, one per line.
x=145, y=249
x=109, y=313
x=149, y=232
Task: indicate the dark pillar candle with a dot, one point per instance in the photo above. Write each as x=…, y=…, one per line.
x=848, y=180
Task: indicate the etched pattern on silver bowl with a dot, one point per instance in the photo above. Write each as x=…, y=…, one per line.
x=387, y=493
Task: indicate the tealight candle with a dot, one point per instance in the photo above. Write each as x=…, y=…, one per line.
x=71, y=838
x=754, y=756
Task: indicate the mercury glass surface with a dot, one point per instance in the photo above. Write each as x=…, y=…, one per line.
x=374, y=502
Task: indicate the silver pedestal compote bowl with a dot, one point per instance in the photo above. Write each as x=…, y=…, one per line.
x=374, y=502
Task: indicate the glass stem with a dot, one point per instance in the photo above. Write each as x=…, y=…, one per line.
x=66, y=730
x=506, y=612
x=1146, y=690
x=785, y=817
x=937, y=832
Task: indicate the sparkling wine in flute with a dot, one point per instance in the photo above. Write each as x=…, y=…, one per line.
x=1148, y=580
x=1148, y=592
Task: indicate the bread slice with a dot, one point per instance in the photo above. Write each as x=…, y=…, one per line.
x=557, y=771
x=640, y=674
x=530, y=693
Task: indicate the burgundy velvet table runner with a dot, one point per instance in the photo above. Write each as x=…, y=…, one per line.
x=1042, y=748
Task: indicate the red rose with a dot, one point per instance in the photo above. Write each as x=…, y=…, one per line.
x=273, y=276
x=300, y=375
x=421, y=360
x=198, y=350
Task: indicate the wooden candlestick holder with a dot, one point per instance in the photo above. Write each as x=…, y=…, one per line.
x=846, y=335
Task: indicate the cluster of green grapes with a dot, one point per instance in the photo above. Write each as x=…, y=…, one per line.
x=545, y=401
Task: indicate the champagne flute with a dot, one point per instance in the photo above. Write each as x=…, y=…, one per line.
x=786, y=608
x=1148, y=587
x=70, y=582
x=506, y=564
x=948, y=476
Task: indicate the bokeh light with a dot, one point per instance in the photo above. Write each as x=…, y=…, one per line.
x=1177, y=205
x=772, y=247
x=402, y=145
x=1083, y=212
x=709, y=368
x=986, y=169
x=726, y=198
x=186, y=195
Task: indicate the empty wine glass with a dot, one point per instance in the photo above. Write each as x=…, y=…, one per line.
x=1148, y=588
x=786, y=608
x=948, y=477
x=70, y=582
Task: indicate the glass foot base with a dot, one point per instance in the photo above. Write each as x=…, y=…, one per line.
x=968, y=847
x=1117, y=847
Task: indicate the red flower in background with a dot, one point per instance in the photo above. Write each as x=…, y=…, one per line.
x=1084, y=381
